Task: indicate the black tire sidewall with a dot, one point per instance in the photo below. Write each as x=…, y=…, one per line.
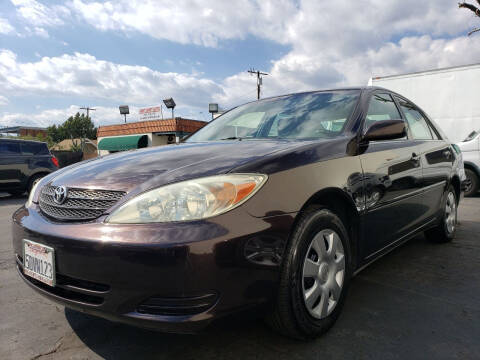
x=313, y=223
x=475, y=182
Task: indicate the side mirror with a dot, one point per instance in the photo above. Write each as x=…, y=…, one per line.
x=385, y=130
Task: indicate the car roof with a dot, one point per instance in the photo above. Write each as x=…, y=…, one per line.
x=351, y=88
x=22, y=140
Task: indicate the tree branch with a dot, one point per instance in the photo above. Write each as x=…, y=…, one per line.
x=470, y=7
x=473, y=31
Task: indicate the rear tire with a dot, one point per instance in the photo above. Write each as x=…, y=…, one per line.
x=445, y=230
x=315, y=275
x=472, y=184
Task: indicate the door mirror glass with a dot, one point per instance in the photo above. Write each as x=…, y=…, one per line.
x=385, y=130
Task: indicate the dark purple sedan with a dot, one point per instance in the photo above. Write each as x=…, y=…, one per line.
x=277, y=202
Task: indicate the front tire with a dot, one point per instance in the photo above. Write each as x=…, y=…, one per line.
x=315, y=275
x=445, y=230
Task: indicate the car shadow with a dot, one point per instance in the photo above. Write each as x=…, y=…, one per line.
x=7, y=199
x=240, y=336
x=236, y=336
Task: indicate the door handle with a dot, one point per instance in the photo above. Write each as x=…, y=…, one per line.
x=415, y=157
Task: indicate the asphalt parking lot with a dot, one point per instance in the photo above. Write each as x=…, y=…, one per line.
x=420, y=301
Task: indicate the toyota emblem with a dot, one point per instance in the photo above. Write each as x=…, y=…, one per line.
x=60, y=194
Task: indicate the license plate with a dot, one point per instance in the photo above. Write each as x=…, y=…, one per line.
x=39, y=262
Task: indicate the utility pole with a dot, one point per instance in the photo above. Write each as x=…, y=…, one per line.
x=88, y=110
x=259, y=80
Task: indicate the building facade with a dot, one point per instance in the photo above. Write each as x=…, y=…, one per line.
x=24, y=131
x=113, y=138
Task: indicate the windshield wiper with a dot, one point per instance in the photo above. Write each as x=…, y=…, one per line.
x=233, y=138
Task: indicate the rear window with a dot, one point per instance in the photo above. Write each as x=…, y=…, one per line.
x=9, y=148
x=34, y=148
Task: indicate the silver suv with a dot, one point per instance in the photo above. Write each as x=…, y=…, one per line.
x=471, y=157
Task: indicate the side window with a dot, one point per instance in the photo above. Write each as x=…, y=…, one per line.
x=34, y=148
x=9, y=148
x=416, y=122
x=381, y=107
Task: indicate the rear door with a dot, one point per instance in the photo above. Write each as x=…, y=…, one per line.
x=437, y=156
x=38, y=157
x=392, y=182
x=11, y=164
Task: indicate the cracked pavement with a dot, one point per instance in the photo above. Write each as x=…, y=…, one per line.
x=420, y=301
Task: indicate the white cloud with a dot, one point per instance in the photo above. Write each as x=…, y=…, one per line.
x=38, y=14
x=82, y=75
x=200, y=22
x=331, y=43
x=5, y=26
x=3, y=100
x=36, y=31
x=343, y=43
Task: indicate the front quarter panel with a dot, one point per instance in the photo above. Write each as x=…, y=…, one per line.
x=289, y=190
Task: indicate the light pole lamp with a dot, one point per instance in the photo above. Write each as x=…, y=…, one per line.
x=170, y=104
x=213, y=109
x=124, y=110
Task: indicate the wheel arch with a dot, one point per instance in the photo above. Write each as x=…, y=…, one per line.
x=40, y=173
x=340, y=203
x=472, y=166
x=455, y=181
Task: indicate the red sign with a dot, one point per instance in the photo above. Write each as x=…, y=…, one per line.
x=151, y=113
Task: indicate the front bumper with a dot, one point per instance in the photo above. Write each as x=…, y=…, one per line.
x=173, y=277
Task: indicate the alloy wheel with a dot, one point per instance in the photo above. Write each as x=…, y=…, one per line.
x=451, y=212
x=323, y=273
x=468, y=185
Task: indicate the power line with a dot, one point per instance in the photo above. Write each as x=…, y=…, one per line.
x=239, y=100
x=88, y=110
x=259, y=79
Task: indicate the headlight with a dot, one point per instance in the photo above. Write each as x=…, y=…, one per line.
x=189, y=200
x=32, y=194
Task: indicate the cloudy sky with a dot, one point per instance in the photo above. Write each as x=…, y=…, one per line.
x=57, y=56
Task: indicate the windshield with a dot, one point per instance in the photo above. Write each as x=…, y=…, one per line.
x=299, y=116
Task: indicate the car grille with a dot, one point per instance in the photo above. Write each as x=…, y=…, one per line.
x=79, y=205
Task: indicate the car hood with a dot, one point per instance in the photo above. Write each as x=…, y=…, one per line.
x=152, y=167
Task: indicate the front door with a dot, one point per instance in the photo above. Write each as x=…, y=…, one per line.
x=392, y=181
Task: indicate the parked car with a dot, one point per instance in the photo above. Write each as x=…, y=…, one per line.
x=470, y=148
x=279, y=202
x=22, y=163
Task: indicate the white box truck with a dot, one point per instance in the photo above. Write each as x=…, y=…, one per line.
x=451, y=97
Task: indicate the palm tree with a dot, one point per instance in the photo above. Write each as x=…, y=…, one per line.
x=472, y=8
